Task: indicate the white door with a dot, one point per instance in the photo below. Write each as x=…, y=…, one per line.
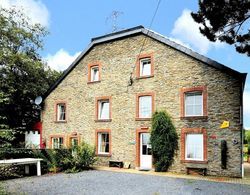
x=145, y=152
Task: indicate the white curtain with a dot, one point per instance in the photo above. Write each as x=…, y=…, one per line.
x=145, y=106
x=194, y=146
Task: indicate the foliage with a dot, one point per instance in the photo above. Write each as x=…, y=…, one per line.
x=9, y=171
x=227, y=21
x=6, y=138
x=164, y=141
x=70, y=160
x=247, y=136
x=223, y=154
x=23, y=75
x=81, y=158
x=2, y=189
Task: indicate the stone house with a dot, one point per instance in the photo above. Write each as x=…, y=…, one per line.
x=108, y=94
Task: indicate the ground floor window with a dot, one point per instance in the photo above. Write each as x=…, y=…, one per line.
x=103, y=142
x=194, y=145
x=73, y=142
x=57, y=142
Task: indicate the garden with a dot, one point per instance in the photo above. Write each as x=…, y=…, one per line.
x=70, y=160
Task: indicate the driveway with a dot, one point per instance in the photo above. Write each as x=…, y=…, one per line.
x=106, y=182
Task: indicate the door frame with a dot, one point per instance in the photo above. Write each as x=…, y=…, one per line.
x=138, y=144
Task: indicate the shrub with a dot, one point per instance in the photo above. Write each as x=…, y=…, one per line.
x=164, y=141
x=9, y=172
x=81, y=158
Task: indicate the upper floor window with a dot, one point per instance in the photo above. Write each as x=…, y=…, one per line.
x=194, y=102
x=93, y=72
x=103, y=108
x=61, y=112
x=144, y=66
x=145, y=105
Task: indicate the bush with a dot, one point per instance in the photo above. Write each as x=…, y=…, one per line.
x=81, y=158
x=164, y=141
x=9, y=172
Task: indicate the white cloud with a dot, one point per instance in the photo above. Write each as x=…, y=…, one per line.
x=187, y=31
x=246, y=106
x=61, y=59
x=34, y=9
x=179, y=42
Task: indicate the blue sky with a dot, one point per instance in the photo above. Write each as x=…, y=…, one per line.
x=73, y=23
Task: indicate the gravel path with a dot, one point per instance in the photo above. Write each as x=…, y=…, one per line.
x=105, y=182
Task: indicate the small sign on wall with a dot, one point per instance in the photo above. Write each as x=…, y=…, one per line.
x=225, y=124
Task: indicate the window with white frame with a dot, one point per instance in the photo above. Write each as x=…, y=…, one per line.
x=61, y=112
x=145, y=67
x=145, y=106
x=103, y=109
x=193, y=104
x=57, y=142
x=103, y=143
x=194, y=147
x=94, y=73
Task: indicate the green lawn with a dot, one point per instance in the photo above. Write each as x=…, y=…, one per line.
x=2, y=191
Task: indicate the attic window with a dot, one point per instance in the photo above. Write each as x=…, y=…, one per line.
x=93, y=72
x=145, y=66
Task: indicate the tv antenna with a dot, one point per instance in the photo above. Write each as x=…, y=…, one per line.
x=113, y=18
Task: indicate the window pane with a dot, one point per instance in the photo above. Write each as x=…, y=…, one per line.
x=94, y=74
x=104, y=110
x=193, y=104
x=194, y=146
x=145, y=67
x=103, y=143
x=145, y=106
x=61, y=112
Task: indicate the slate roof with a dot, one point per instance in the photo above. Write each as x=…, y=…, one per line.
x=141, y=30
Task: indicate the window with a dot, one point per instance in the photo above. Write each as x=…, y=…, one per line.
x=194, y=102
x=57, y=142
x=73, y=142
x=61, y=112
x=144, y=66
x=94, y=72
x=103, y=108
x=194, y=147
x=103, y=142
x=145, y=105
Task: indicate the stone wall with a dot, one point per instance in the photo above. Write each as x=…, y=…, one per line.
x=173, y=70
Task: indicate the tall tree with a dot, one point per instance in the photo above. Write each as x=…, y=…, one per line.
x=164, y=141
x=23, y=75
x=225, y=20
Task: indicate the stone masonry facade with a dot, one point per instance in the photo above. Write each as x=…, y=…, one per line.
x=173, y=73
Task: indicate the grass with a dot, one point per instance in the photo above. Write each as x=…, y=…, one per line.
x=2, y=190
